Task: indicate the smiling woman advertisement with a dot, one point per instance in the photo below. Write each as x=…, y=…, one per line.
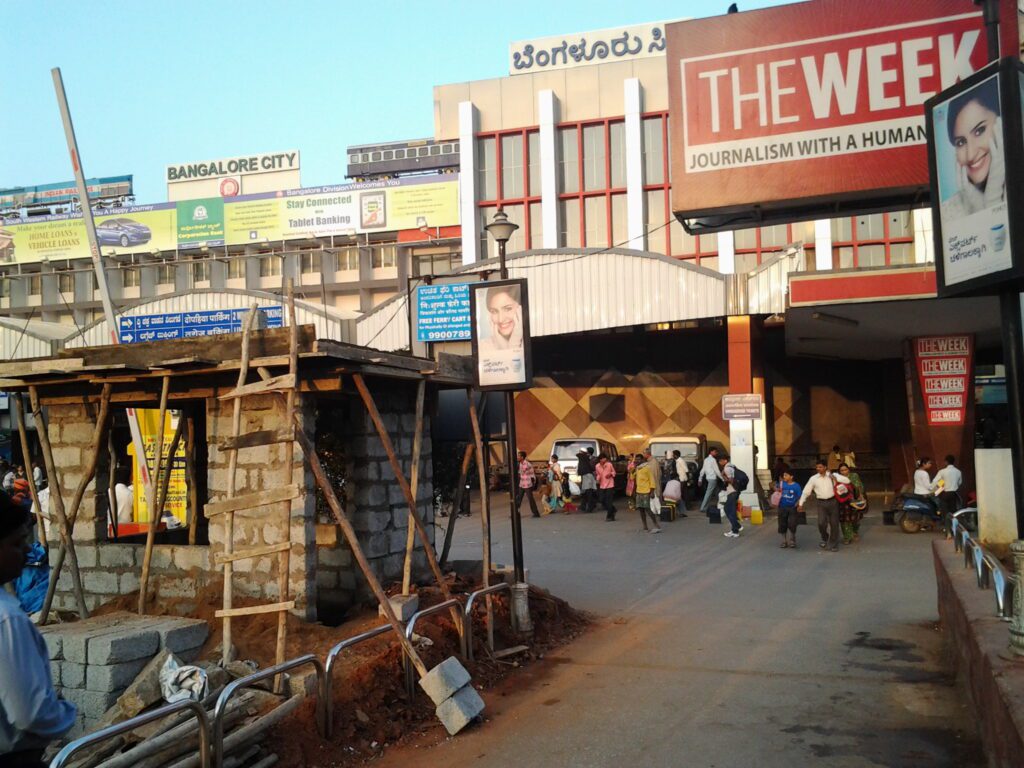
x=501, y=334
x=971, y=165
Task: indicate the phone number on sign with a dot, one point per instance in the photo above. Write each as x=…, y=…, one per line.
x=447, y=335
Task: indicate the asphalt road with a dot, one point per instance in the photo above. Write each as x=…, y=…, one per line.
x=720, y=652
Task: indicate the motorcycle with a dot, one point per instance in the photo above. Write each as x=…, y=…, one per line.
x=915, y=513
x=967, y=518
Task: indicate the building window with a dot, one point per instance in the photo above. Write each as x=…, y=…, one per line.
x=487, y=170
x=201, y=271
x=512, y=166
x=873, y=240
x=536, y=226
x=534, y=161
x=569, y=160
x=131, y=277
x=654, y=150
x=309, y=262
x=348, y=259
x=65, y=281
x=35, y=285
x=383, y=256
x=270, y=266
x=594, y=158
x=165, y=274
x=617, y=154
x=435, y=263
x=236, y=268
x=517, y=188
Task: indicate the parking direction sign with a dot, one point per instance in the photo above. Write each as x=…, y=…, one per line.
x=134, y=329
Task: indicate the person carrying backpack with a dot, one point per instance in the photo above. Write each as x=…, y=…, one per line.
x=736, y=481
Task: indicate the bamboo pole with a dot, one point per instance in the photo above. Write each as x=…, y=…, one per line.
x=485, y=511
x=19, y=416
x=151, y=493
x=284, y=557
x=414, y=475
x=66, y=521
x=229, y=518
x=460, y=491
x=165, y=482
x=353, y=543
x=190, y=480
x=112, y=484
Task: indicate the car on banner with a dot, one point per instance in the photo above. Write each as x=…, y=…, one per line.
x=123, y=232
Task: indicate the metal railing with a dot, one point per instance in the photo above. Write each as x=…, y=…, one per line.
x=410, y=672
x=987, y=570
x=248, y=682
x=332, y=658
x=467, y=646
x=129, y=725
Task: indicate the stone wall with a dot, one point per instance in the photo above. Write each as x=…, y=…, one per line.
x=374, y=500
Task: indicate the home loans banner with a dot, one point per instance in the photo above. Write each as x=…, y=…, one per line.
x=814, y=102
x=345, y=209
x=944, y=372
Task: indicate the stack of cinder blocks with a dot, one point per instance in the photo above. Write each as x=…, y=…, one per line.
x=93, y=661
x=450, y=688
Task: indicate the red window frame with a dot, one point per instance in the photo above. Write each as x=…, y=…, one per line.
x=855, y=243
x=501, y=200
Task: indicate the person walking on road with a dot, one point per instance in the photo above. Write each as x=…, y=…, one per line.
x=947, y=485
x=789, y=491
x=605, y=472
x=588, y=483
x=655, y=466
x=846, y=497
x=645, y=487
x=31, y=712
x=527, y=482
x=821, y=486
x=683, y=474
x=735, y=480
x=711, y=473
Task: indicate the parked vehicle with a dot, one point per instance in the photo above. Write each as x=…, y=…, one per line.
x=915, y=513
x=567, y=449
x=123, y=232
x=967, y=518
x=692, y=447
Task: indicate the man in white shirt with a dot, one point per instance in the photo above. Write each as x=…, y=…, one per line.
x=821, y=486
x=711, y=473
x=947, y=485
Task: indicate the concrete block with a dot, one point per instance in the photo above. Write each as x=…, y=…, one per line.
x=86, y=554
x=54, y=643
x=369, y=521
x=100, y=582
x=127, y=645
x=338, y=557
x=273, y=534
x=180, y=634
x=395, y=495
x=128, y=582
x=377, y=545
x=398, y=542
x=91, y=704
x=444, y=680
x=371, y=495
x=55, y=673
x=117, y=556
x=190, y=655
x=188, y=558
x=404, y=606
x=326, y=579
x=72, y=674
x=66, y=457
x=112, y=677
x=460, y=710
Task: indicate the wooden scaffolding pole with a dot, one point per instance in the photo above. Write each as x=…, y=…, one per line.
x=151, y=492
x=485, y=511
x=66, y=519
x=19, y=416
x=414, y=474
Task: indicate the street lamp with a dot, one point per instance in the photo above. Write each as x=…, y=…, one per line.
x=501, y=230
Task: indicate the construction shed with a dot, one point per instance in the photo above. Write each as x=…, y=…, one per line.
x=354, y=405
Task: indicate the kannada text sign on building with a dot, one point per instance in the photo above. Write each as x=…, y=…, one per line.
x=605, y=45
x=741, y=407
x=443, y=312
x=813, y=103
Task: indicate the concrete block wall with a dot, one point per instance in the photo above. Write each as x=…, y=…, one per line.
x=259, y=469
x=375, y=504
x=93, y=661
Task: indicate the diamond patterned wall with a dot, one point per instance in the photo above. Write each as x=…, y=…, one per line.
x=625, y=409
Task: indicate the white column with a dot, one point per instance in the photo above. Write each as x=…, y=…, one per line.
x=469, y=119
x=823, y=244
x=726, y=253
x=924, y=237
x=634, y=165
x=547, y=108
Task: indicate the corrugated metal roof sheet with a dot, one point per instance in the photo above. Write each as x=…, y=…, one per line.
x=577, y=290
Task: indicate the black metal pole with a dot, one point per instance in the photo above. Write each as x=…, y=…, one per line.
x=510, y=420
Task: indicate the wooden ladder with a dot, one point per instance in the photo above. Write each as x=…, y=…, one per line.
x=280, y=497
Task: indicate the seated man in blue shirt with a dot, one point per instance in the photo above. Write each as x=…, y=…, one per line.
x=31, y=714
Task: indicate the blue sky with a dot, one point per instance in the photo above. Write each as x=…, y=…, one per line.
x=152, y=83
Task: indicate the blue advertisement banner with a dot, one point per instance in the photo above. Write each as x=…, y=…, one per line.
x=187, y=325
x=443, y=313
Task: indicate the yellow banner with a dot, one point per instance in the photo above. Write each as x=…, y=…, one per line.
x=177, y=488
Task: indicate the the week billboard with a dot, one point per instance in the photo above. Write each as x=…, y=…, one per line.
x=814, y=103
x=271, y=216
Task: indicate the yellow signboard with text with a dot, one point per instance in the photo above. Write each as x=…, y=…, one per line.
x=177, y=488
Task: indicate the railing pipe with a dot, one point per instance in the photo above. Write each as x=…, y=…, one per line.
x=410, y=673
x=467, y=646
x=332, y=658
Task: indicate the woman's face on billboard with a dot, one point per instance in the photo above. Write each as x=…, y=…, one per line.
x=502, y=309
x=972, y=138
